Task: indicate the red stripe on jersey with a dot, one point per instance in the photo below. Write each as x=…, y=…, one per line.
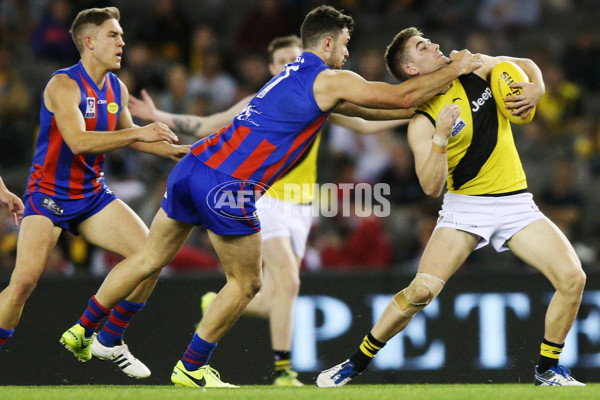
x=90, y=123
x=77, y=177
x=55, y=141
x=110, y=98
x=209, y=142
x=33, y=179
x=299, y=140
x=254, y=161
x=96, y=167
x=237, y=137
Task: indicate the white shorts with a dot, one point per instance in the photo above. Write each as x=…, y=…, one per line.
x=284, y=218
x=493, y=219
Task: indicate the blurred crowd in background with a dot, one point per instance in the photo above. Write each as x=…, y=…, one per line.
x=201, y=56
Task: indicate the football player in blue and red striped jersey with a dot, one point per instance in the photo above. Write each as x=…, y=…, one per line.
x=83, y=115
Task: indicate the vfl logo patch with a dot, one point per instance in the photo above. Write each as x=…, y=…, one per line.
x=90, y=108
x=52, y=206
x=459, y=125
x=112, y=108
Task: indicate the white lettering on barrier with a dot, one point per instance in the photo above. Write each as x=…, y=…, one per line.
x=492, y=322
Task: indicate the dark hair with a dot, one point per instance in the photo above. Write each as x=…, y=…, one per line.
x=94, y=16
x=395, y=54
x=281, y=42
x=321, y=22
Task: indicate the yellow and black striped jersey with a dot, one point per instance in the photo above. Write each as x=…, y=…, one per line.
x=482, y=157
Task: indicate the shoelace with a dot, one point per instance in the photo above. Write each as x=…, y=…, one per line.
x=212, y=372
x=347, y=371
x=562, y=370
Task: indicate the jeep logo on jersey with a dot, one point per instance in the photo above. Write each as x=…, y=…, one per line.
x=51, y=206
x=235, y=199
x=90, y=108
x=480, y=101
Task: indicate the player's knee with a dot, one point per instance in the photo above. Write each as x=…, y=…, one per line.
x=572, y=282
x=290, y=288
x=421, y=291
x=252, y=286
x=23, y=287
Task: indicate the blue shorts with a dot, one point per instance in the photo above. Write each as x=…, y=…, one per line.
x=67, y=213
x=200, y=195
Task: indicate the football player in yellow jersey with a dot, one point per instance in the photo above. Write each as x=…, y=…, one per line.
x=286, y=215
x=459, y=138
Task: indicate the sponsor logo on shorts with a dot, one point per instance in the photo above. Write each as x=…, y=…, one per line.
x=51, y=205
x=448, y=219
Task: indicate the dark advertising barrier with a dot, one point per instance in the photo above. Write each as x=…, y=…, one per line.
x=481, y=329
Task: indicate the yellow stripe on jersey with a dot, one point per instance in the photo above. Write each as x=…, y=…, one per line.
x=297, y=185
x=482, y=157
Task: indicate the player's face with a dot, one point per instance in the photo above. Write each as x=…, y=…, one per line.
x=282, y=56
x=339, y=52
x=108, y=44
x=424, y=56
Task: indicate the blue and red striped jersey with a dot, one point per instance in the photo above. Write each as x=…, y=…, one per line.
x=274, y=129
x=55, y=170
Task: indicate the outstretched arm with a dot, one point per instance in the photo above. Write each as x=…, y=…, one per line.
x=162, y=148
x=364, y=126
x=62, y=97
x=333, y=86
x=192, y=125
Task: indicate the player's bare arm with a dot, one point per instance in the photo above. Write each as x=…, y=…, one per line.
x=430, y=153
x=62, y=97
x=348, y=109
x=192, y=125
x=360, y=125
x=333, y=86
x=533, y=91
x=161, y=148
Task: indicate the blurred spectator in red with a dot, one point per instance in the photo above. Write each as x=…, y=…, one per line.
x=354, y=241
x=51, y=39
x=361, y=243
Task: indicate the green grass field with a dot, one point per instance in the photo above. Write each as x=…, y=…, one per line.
x=359, y=392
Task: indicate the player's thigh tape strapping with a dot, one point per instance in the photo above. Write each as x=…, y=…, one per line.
x=421, y=291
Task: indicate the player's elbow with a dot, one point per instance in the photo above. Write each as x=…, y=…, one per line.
x=77, y=149
x=431, y=190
